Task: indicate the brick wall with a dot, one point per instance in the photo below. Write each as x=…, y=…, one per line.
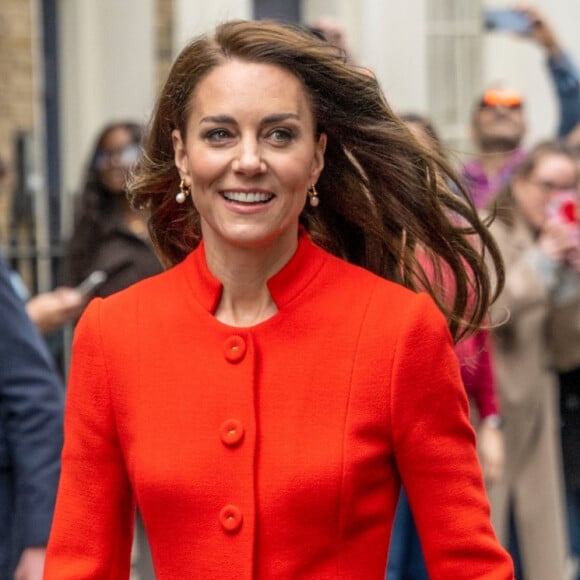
x=164, y=38
x=17, y=89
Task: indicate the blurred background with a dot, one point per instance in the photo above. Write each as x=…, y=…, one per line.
x=67, y=67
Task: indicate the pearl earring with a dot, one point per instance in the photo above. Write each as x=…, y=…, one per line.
x=313, y=196
x=184, y=191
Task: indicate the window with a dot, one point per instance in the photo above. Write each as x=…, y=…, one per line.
x=454, y=66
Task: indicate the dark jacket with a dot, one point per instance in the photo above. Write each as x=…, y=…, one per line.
x=31, y=407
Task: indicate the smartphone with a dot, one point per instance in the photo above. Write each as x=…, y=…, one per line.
x=563, y=206
x=92, y=282
x=505, y=20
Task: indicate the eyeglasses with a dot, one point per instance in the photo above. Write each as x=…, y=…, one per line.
x=501, y=98
x=127, y=156
x=548, y=187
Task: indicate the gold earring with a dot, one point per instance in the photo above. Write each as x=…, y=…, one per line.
x=313, y=196
x=184, y=191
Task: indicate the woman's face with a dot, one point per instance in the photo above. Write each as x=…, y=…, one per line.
x=553, y=172
x=250, y=154
x=117, y=154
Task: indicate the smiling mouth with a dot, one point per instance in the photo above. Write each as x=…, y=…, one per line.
x=249, y=198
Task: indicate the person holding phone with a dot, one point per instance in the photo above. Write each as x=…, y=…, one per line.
x=498, y=123
x=108, y=235
x=564, y=330
x=263, y=398
x=542, y=258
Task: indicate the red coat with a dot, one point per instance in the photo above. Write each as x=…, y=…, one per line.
x=270, y=452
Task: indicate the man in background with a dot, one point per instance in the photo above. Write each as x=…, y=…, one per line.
x=31, y=407
x=499, y=125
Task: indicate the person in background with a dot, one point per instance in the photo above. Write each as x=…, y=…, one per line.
x=542, y=259
x=108, y=234
x=498, y=124
x=406, y=560
x=31, y=405
x=565, y=342
x=263, y=398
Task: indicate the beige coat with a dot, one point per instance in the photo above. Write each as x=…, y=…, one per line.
x=532, y=481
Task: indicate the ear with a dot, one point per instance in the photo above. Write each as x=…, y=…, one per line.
x=180, y=153
x=318, y=159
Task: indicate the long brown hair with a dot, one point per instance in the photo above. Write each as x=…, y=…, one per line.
x=379, y=191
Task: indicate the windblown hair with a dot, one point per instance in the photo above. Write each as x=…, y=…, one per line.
x=503, y=204
x=380, y=193
x=94, y=209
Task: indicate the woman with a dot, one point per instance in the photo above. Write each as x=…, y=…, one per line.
x=262, y=400
x=108, y=234
x=542, y=260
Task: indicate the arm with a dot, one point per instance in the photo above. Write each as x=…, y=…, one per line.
x=475, y=358
x=435, y=451
x=93, y=522
x=31, y=398
x=50, y=311
x=563, y=71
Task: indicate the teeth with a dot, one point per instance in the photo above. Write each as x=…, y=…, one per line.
x=242, y=197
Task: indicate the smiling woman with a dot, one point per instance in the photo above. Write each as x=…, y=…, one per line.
x=303, y=377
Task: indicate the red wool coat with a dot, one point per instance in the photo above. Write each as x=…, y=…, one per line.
x=270, y=452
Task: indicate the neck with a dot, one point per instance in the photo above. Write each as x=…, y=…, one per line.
x=244, y=273
x=492, y=163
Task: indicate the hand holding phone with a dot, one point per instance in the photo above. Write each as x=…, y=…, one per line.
x=562, y=209
x=506, y=20
x=563, y=206
x=92, y=282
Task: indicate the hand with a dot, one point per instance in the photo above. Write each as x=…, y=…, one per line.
x=541, y=31
x=51, y=310
x=573, y=259
x=559, y=241
x=491, y=452
x=31, y=564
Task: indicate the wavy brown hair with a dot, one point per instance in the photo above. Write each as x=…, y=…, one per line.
x=381, y=192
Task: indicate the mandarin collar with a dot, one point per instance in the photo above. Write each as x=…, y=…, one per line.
x=286, y=284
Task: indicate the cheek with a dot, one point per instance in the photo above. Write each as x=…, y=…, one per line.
x=205, y=166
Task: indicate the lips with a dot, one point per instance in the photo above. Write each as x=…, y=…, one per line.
x=248, y=197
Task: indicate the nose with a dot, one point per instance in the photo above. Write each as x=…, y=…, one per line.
x=249, y=159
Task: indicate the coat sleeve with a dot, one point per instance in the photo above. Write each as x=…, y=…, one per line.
x=93, y=522
x=31, y=404
x=435, y=451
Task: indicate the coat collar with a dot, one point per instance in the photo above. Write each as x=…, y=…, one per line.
x=284, y=286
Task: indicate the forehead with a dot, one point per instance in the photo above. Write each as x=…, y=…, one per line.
x=115, y=137
x=555, y=164
x=241, y=86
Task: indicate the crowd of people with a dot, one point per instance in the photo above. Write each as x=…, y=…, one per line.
x=306, y=345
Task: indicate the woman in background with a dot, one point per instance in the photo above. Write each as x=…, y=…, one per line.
x=108, y=234
x=406, y=560
x=542, y=257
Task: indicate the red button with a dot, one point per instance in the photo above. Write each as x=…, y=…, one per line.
x=231, y=432
x=235, y=349
x=231, y=518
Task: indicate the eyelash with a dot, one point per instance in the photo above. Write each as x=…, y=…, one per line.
x=217, y=134
x=285, y=135
x=279, y=135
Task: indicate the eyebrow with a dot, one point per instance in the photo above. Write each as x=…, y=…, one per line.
x=227, y=119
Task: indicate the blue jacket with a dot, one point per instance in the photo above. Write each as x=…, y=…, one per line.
x=31, y=409
x=566, y=80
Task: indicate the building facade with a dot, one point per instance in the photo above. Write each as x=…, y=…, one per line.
x=109, y=58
